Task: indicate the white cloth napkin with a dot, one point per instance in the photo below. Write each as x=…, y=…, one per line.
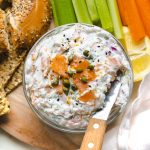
x=134, y=131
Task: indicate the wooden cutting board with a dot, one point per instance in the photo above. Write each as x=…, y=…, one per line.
x=24, y=125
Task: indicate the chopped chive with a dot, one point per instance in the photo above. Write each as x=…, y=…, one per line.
x=70, y=73
x=91, y=67
x=79, y=70
x=84, y=79
x=66, y=83
x=86, y=53
x=66, y=90
x=74, y=87
x=55, y=82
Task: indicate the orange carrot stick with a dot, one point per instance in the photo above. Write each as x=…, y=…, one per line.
x=134, y=21
x=121, y=6
x=144, y=11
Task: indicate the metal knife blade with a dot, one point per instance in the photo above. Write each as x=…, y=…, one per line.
x=110, y=100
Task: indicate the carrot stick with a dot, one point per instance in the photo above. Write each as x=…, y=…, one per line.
x=144, y=11
x=121, y=6
x=134, y=21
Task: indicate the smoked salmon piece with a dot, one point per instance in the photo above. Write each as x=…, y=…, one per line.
x=79, y=63
x=59, y=65
x=89, y=96
x=90, y=75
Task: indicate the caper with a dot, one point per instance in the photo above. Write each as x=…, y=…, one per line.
x=79, y=70
x=74, y=87
x=70, y=73
x=66, y=83
x=84, y=79
x=86, y=53
x=91, y=67
x=55, y=82
x=66, y=90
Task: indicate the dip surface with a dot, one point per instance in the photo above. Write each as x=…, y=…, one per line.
x=67, y=75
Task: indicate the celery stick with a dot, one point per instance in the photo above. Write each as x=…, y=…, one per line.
x=93, y=11
x=104, y=15
x=63, y=12
x=54, y=13
x=81, y=11
x=114, y=12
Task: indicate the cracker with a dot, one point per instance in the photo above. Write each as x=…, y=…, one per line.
x=4, y=104
x=8, y=67
x=15, y=80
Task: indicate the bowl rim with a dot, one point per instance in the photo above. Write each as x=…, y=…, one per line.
x=52, y=124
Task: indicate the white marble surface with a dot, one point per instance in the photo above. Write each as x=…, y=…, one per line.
x=7, y=142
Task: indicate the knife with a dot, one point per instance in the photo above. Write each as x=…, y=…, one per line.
x=93, y=138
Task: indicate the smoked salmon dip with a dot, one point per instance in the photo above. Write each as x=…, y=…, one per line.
x=68, y=75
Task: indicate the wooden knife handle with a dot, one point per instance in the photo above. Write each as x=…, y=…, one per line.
x=93, y=138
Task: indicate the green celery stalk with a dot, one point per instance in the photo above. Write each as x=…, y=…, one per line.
x=104, y=15
x=81, y=11
x=114, y=12
x=93, y=11
x=63, y=12
x=54, y=13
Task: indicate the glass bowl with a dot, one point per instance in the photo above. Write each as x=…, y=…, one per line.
x=116, y=110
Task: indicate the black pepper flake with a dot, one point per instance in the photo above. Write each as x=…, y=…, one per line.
x=90, y=86
x=98, y=46
x=98, y=60
x=80, y=61
x=62, y=44
x=64, y=35
x=67, y=39
x=106, y=53
x=58, y=99
x=75, y=40
x=77, y=104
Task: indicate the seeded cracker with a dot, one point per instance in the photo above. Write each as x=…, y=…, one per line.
x=4, y=104
x=15, y=80
x=8, y=67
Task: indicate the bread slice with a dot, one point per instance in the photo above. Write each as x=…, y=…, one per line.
x=4, y=40
x=15, y=80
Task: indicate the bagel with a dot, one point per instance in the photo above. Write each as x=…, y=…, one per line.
x=26, y=21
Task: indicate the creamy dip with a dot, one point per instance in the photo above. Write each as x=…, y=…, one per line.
x=68, y=74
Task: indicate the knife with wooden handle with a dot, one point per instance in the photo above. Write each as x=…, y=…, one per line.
x=93, y=138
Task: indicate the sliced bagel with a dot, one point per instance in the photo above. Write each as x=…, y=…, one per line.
x=28, y=20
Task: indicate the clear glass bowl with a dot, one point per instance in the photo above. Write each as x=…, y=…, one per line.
x=116, y=110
